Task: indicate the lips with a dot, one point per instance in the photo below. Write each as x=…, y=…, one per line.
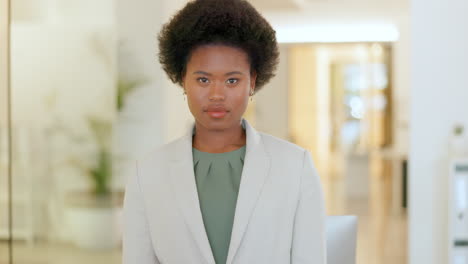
x=216, y=108
x=216, y=111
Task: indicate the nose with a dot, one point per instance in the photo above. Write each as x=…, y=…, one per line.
x=217, y=91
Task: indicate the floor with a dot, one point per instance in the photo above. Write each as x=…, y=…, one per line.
x=42, y=253
x=382, y=228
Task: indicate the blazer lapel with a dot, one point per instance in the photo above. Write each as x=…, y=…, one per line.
x=254, y=174
x=183, y=182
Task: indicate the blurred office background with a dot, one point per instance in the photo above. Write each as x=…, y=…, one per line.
x=373, y=88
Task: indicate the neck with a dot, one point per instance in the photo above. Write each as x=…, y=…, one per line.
x=218, y=141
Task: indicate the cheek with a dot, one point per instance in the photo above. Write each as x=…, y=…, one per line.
x=191, y=101
x=241, y=99
x=196, y=95
x=195, y=99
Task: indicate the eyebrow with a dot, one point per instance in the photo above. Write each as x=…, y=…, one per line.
x=209, y=74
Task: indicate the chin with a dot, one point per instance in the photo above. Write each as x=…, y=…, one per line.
x=217, y=123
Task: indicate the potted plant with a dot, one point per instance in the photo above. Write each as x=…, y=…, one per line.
x=93, y=216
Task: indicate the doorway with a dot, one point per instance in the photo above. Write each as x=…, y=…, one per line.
x=340, y=108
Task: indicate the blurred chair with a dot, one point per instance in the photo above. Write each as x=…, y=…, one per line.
x=341, y=239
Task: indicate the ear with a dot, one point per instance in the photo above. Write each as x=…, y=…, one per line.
x=253, y=79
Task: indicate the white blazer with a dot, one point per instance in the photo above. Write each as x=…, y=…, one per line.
x=279, y=215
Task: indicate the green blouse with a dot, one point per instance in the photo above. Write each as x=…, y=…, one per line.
x=218, y=178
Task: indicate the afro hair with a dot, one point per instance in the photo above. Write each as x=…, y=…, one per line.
x=234, y=23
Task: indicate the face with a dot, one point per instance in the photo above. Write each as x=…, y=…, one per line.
x=218, y=82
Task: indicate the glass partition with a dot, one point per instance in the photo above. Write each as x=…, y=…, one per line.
x=65, y=203
x=5, y=169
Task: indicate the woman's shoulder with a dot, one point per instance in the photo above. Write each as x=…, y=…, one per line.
x=276, y=146
x=163, y=152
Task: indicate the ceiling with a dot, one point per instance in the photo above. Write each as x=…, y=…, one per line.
x=271, y=5
x=279, y=11
x=331, y=5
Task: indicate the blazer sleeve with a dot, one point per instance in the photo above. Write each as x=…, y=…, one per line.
x=136, y=245
x=309, y=241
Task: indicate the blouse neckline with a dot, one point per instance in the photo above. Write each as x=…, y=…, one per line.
x=223, y=155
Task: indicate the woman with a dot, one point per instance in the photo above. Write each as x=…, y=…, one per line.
x=224, y=192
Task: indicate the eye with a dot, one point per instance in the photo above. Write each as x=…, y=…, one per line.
x=232, y=81
x=202, y=80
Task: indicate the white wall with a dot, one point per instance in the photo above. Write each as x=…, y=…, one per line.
x=160, y=109
x=137, y=24
x=401, y=88
x=272, y=101
x=177, y=116
x=439, y=98
x=156, y=112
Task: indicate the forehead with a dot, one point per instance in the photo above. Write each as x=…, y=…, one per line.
x=213, y=58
